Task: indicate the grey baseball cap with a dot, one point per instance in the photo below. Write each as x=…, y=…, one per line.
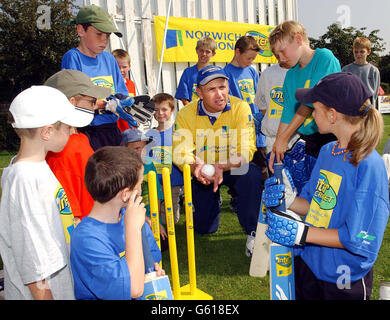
x=74, y=82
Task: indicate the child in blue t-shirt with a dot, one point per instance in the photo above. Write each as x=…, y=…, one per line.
x=186, y=90
x=135, y=140
x=345, y=204
x=94, y=26
x=106, y=252
x=243, y=80
x=161, y=149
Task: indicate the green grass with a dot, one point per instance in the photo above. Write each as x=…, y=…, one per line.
x=222, y=267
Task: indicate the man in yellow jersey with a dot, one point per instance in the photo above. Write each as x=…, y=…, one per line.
x=218, y=130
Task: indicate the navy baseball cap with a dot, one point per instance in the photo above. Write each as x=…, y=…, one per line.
x=133, y=135
x=209, y=73
x=342, y=91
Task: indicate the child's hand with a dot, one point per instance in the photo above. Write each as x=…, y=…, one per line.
x=163, y=232
x=159, y=271
x=135, y=210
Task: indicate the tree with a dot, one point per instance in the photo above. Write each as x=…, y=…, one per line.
x=340, y=40
x=384, y=67
x=29, y=53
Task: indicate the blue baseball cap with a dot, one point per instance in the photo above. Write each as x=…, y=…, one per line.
x=343, y=91
x=133, y=135
x=209, y=73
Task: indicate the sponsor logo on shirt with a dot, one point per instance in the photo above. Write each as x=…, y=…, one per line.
x=65, y=212
x=324, y=199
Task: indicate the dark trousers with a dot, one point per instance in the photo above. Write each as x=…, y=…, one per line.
x=107, y=134
x=308, y=287
x=247, y=187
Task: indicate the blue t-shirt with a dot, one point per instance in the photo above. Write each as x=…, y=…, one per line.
x=243, y=85
x=160, y=150
x=187, y=84
x=103, y=71
x=322, y=64
x=353, y=200
x=99, y=268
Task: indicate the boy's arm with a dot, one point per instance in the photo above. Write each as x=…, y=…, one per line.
x=324, y=237
x=377, y=84
x=185, y=101
x=134, y=220
x=40, y=290
x=285, y=132
x=260, y=100
x=154, y=249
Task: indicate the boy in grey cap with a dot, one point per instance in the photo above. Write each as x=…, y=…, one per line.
x=69, y=164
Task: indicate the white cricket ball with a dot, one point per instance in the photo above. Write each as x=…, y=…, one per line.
x=208, y=170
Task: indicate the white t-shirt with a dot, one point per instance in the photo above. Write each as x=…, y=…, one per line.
x=269, y=97
x=33, y=246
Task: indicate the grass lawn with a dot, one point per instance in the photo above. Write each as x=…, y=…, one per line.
x=221, y=264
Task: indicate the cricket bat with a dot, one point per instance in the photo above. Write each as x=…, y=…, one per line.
x=260, y=256
x=282, y=280
x=155, y=288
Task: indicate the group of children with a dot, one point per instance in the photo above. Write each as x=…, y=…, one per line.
x=83, y=162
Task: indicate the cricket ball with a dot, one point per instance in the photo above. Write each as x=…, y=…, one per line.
x=208, y=170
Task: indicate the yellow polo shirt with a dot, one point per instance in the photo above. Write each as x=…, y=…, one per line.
x=213, y=139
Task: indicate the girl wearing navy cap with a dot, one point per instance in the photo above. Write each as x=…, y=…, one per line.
x=345, y=204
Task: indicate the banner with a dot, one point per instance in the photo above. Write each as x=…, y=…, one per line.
x=183, y=33
x=384, y=104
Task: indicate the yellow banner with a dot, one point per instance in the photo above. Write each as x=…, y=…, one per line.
x=183, y=33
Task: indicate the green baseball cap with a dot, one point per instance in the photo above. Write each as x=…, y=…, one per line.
x=74, y=82
x=98, y=18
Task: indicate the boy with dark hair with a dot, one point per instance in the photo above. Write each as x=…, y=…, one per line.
x=36, y=219
x=243, y=80
x=106, y=247
x=94, y=27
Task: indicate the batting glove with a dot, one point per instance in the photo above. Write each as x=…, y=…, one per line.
x=274, y=191
x=286, y=228
x=117, y=104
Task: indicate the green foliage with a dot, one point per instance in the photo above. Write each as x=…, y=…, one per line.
x=9, y=140
x=29, y=55
x=384, y=68
x=340, y=40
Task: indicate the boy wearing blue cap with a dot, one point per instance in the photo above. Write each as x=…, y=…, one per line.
x=137, y=141
x=345, y=204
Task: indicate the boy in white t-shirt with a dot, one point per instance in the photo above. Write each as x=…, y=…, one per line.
x=35, y=216
x=269, y=100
